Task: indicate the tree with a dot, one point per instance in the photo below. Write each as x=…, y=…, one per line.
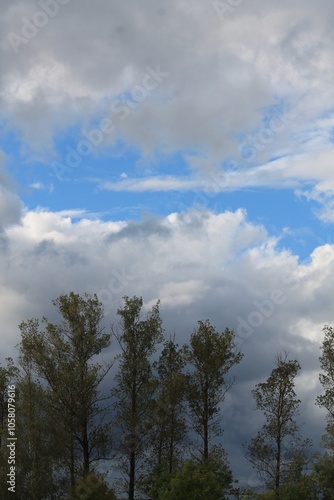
x=169, y=412
x=35, y=434
x=327, y=379
x=63, y=355
x=135, y=384
x=44, y=443
x=299, y=483
x=8, y=395
x=207, y=479
x=211, y=355
x=278, y=445
x=168, y=429
x=324, y=466
x=91, y=488
x=156, y=481
x=7, y=375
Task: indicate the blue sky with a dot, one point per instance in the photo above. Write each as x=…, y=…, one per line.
x=283, y=211
x=179, y=152
x=83, y=184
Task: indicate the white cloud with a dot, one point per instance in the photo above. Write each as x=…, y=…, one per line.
x=39, y=186
x=201, y=265
x=219, y=82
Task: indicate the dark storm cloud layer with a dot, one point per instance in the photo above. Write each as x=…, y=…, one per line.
x=201, y=265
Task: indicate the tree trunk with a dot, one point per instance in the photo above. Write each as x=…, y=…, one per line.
x=132, y=473
x=132, y=457
x=206, y=424
x=85, y=446
x=171, y=443
x=278, y=465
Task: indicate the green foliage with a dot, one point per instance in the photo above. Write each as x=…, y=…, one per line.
x=7, y=375
x=168, y=410
x=62, y=355
x=7, y=378
x=206, y=480
x=327, y=365
x=324, y=475
x=156, y=481
x=297, y=483
x=135, y=382
x=302, y=488
x=64, y=422
x=44, y=443
x=299, y=490
x=277, y=446
x=212, y=355
x=323, y=465
x=91, y=488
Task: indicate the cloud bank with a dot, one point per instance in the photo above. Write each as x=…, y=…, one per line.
x=201, y=265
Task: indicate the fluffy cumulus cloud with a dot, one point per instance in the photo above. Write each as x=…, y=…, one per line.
x=201, y=265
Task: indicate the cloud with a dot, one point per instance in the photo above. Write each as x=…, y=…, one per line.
x=261, y=101
x=42, y=187
x=295, y=172
x=10, y=204
x=219, y=84
x=213, y=181
x=201, y=265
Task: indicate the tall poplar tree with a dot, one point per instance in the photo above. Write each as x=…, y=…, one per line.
x=278, y=446
x=324, y=466
x=44, y=447
x=211, y=355
x=326, y=400
x=169, y=424
x=64, y=356
x=135, y=383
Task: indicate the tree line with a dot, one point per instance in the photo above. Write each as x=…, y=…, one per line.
x=157, y=425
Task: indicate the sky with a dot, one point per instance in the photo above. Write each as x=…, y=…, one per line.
x=180, y=151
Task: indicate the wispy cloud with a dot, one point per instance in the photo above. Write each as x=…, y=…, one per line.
x=39, y=186
x=155, y=183
x=277, y=174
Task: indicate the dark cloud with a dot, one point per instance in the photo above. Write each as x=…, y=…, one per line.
x=184, y=260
